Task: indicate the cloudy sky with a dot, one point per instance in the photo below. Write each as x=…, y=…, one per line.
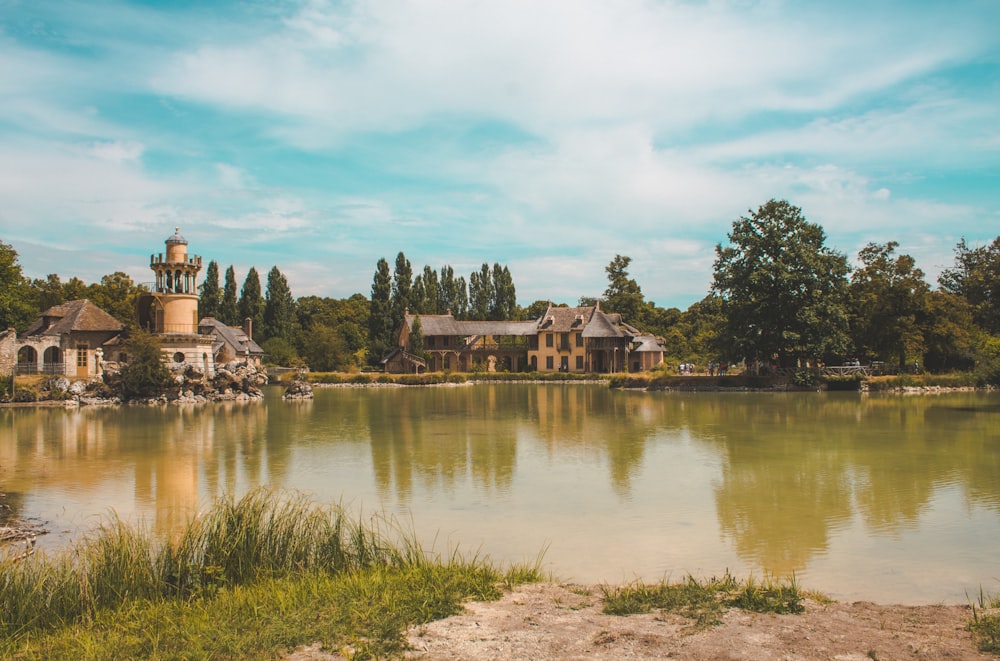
x=548, y=135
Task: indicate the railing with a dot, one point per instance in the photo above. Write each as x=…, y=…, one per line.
x=46, y=368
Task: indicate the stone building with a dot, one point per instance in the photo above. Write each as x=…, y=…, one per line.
x=563, y=339
x=170, y=309
x=70, y=339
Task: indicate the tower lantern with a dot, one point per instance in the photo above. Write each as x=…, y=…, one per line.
x=175, y=292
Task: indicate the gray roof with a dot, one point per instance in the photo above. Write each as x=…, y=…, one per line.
x=648, y=343
x=435, y=325
x=564, y=320
x=74, y=316
x=234, y=336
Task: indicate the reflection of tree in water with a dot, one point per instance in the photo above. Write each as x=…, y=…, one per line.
x=597, y=420
x=796, y=466
x=441, y=436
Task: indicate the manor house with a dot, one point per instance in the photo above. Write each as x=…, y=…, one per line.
x=579, y=339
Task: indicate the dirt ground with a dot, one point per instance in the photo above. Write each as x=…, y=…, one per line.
x=564, y=621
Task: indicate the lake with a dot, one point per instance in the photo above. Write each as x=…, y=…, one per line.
x=890, y=498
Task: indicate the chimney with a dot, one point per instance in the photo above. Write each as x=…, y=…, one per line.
x=248, y=327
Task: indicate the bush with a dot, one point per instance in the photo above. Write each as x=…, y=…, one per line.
x=145, y=374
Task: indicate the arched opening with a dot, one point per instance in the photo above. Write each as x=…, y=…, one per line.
x=52, y=361
x=27, y=360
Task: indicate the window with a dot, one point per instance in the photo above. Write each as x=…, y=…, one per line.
x=430, y=341
x=564, y=364
x=81, y=355
x=179, y=357
x=549, y=362
x=579, y=339
x=548, y=339
x=564, y=341
x=579, y=362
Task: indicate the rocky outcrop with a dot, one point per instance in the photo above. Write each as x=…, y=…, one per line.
x=298, y=389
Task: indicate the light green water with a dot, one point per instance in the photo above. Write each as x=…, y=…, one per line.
x=889, y=498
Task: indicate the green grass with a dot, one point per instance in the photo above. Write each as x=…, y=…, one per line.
x=985, y=627
x=249, y=579
x=704, y=601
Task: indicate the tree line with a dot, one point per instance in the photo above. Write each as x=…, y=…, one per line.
x=779, y=297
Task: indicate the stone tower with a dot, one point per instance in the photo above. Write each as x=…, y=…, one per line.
x=175, y=290
x=170, y=308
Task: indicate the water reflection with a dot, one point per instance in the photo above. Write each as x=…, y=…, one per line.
x=802, y=483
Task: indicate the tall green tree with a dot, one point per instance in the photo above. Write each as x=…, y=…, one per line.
x=504, y=294
x=481, y=293
x=887, y=296
x=623, y=294
x=418, y=295
x=48, y=292
x=229, y=310
x=116, y=294
x=210, y=301
x=417, y=337
x=976, y=276
x=279, y=308
x=16, y=310
x=454, y=295
x=402, y=288
x=432, y=292
x=251, y=304
x=380, y=312
x=783, y=291
x=950, y=334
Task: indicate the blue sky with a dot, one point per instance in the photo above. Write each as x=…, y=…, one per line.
x=318, y=136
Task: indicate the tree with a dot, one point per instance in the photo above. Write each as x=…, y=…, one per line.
x=229, y=311
x=976, y=276
x=504, y=294
x=432, y=292
x=279, y=308
x=210, y=301
x=480, y=293
x=116, y=294
x=145, y=374
x=950, y=335
x=402, y=285
x=417, y=337
x=454, y=295
x=251, y=303
x=380, y=312
x=15, y=308
x=623, y=294
x=326, y=350
x=887, y=296
x=783, y=291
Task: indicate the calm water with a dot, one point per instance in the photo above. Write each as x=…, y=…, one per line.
x=889, y=498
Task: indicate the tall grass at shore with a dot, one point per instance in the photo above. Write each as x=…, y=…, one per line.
x=120, y=586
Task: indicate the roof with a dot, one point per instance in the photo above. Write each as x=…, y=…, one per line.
x=234, y=336
x=176, y=238
x=564, y=320
x=79, y=316
x=648, y=343
x=435, y=325
x=604, y=325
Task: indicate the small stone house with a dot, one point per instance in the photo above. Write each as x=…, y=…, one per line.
x=68, y=339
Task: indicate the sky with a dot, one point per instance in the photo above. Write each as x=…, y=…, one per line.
x=547, y=135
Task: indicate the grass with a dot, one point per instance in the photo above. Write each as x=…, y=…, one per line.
x=250, y=579
x=985, y=627
x=704, y=601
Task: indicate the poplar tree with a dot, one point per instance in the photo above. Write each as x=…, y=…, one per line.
x=251, y=304
x=380, y=312
x=481, y=293
x=504, y=295
x=402, y=290
x=210, y=301
x=432, y=292
x=229, y=311
x=279, y=308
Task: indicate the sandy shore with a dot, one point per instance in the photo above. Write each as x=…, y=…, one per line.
x=564, y=621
